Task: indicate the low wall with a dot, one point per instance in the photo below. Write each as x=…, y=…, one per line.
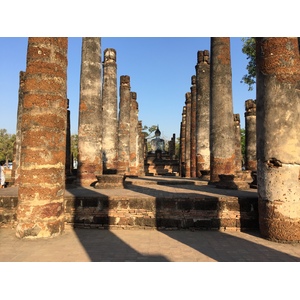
x=164, y=213
x=199, y=212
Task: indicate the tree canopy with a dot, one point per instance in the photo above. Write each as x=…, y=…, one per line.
x=250, y=51
x=7, y=142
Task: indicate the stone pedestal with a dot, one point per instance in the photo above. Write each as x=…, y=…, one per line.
x=110, y=182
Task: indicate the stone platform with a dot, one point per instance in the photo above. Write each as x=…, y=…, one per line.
x=151, y=202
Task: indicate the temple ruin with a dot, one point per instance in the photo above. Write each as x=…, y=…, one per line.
x=113, y=151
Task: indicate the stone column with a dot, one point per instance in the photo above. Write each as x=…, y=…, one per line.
x=172, y=147
x=40, y=211
x=141, y=147
x=17, y=148
x=124, y=126
x=222, y=138
x=278, y=137
x=250, y=135
x=202, y=114
x=69, y=165
x=182, y=142
x=90, y=119
x=238, y=146
x=188, y=103
x=193, y=125
x=133, y=143
x=110, y=112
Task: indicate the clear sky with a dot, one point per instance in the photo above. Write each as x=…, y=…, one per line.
x=160, y=71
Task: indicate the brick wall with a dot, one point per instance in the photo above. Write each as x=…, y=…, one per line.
x=161, y=213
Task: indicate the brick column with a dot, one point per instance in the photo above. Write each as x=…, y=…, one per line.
x=238, y=146
x=182, y=142
x=193, y=125
x=69, y=165
x=124, y=126
x=133, y=136
x=40, y=211
x=90, y=119
x=17, y=148
x=222, y=137
x=110, y=111
x=188, y=103
x=202, y=114
x=278, y=137
x=250, y=135
x=141, y=147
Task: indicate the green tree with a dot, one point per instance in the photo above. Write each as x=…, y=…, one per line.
x=148, y=134
x=7, y=142
x=250, y=50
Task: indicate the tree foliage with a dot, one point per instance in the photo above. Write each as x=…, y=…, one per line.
x=148, y=131
x=7, y=142
x=250, y=51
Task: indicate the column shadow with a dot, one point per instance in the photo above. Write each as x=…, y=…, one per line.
x=86, y=211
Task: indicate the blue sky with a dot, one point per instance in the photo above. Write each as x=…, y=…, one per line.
x=160, y=71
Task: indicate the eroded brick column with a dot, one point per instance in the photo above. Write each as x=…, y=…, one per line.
x=40, y=211
x=90, y=116
x=203, y=114
x=222, y=137
x=193, y=125
x=238, y=146
x=17, y=147
x=278, y=137
x=141, y=147
x=110, y=111
x=124, y=126
x=69, y=165
x=182, y=142
x=188, y=104
x=133, y=136
x=250, y=135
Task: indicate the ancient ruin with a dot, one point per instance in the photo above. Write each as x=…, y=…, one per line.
x=222, y=137
x=90, y=113
x=122, y=184
x=278, y=143
x=40, y=211
x=110, y=112
x=203, y=115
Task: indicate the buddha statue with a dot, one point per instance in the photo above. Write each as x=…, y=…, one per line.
x=157, y=144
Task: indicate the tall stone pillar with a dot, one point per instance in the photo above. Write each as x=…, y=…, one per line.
x=17, y=148
x=182, y=142
x=90, y=107
x=278, y=137
x=193, y=125
x=172, y=144
x=222, y=137
x=40, y=211
x=188, y=103
x=250, y=135
x=133, y=135
x=124, y=126
x=69, y=165
x=141, y=147
x=238, y=145
x=110, y=112
x=203, y=114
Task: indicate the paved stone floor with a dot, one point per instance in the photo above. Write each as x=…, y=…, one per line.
x=94, y=245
